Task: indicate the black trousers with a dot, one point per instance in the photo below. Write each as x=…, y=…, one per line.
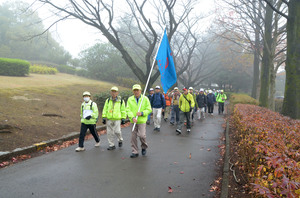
x=210, y=108
x=221, y=107
x=83, y=129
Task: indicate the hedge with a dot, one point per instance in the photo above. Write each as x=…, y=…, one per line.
x=42, y=69
x=13, y=67
x=268, y=149
x=82, y=73
x=101, y=97
x=66, y=69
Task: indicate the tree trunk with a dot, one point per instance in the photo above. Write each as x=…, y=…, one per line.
x=272, y=89
x=291, y=102
x=255, y=83
x=266, y=60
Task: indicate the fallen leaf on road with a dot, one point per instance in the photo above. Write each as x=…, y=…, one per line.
x=170, y=189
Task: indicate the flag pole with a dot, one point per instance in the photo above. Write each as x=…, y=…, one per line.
x=153, y=63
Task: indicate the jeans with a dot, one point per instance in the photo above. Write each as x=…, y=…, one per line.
x=175, y=112
x=221, y=107
x=83, y=129
x=184, y=115
x=210, y=108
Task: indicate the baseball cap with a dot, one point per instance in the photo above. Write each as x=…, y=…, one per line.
x=209, y=91
x=175, y=88
x=114, y=89
x=191, y=88
x=201, y=89
x=151, y=89
x=157, y=87
x=184, y=89
x=136, y=86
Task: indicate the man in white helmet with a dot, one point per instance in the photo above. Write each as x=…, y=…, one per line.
x=89, y=117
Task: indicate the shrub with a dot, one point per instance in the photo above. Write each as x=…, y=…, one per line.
x=66, y=69
x=13, y=67
x=268, y=149
x=101, y=97
x=82, y=72
x=126, y=82
x=42, y=69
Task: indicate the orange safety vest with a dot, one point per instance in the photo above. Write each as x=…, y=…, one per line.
x=168, y=100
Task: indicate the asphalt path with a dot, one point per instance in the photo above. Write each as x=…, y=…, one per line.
x=187, y=163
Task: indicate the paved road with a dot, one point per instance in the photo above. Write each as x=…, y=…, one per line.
x=97, y=172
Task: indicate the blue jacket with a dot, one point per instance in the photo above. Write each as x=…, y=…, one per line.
x=158, y=101
x=211, y=98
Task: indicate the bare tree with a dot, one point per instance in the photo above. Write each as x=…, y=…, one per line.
x=101, y=15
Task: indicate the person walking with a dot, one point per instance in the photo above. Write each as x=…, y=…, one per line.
x=168, y=106
x=211, y=100
x=132, y=109
x=174, y=95
x=158, y=105
x=151, y=92
x=221, y=100
x=194, y=110
x=202, y=103
x=113, y=115
x=89, y=117
x=186, y=104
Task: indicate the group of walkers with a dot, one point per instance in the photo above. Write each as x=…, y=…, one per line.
x=182, y=108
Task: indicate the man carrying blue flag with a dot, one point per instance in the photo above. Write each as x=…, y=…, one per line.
x=166, y=64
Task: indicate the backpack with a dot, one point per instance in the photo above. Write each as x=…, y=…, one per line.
x=120, y=99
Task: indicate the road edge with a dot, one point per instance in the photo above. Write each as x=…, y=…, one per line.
x=225, y=180
x=39, y=146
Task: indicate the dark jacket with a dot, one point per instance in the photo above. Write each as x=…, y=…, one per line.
x=211, y=98
x=201, y=100
x=158, y=101
x=150, y=98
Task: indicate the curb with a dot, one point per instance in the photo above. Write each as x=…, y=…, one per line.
x=39, y=146
x=225, y=181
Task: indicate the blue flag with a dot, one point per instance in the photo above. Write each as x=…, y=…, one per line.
x=166, y=64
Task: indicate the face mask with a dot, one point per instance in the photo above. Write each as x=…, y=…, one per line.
x=86, y=99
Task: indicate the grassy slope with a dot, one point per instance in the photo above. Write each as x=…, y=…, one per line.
x=56, y=94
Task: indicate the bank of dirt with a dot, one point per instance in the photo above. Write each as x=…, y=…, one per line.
x=30, y=115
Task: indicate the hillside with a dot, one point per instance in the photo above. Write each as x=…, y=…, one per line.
x=24, y=100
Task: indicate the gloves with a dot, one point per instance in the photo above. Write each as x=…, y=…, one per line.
x=123, y=121
x=88, y=117
x=104, y=120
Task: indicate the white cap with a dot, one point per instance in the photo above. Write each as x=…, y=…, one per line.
x=157, y=87
x=209, y=91
x=175, y=88
x=86, y=93
x=114, y=88
x=191, y=88
x=151, y=89
x=201, y=89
